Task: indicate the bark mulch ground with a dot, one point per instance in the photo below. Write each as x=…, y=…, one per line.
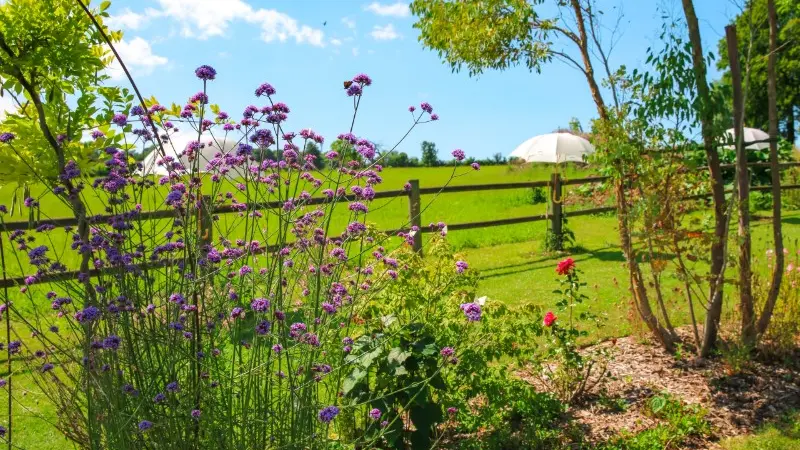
x=737, y=403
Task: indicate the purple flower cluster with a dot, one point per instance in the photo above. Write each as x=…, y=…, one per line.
x=327, y=414
x=205, y=72
x=87, y=315
x=260, y=305
x=265, y=89
x=120, y=120
x=472, y=311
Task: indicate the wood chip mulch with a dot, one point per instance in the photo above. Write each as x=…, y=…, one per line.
x=736, y=403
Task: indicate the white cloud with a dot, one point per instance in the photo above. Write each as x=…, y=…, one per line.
x=129, y=20
x=386, y=33
x=398, y=9
x=138, y=57
x=349, y=23
x=336, y=42
x=6, y=104
x=202, y=19
x=355, y=51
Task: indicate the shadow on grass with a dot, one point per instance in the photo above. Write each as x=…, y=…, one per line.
x=578, y=253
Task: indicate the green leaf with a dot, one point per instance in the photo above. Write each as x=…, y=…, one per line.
x=398, y=356
x=424, y=418
x=352, y=380
x=104, y=6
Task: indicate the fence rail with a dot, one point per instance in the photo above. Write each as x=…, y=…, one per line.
x=555, y=214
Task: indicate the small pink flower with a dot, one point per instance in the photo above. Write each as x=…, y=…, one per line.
x=549, y=319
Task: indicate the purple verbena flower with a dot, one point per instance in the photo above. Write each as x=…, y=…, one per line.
x=472, y=311
x=354, y=90
x=111, y=342
x=260, y=304
x=265, y=89
x=120, y=119
x=88, y=314
x=327, y=414
x=205, y=72
x=263, y=327
x=362, y=79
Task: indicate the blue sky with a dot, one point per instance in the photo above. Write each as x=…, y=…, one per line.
x=307, y=48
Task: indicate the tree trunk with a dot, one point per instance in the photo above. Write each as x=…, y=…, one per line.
x=637, y=287
x=777, y=232
x=583, y=45
x=717, y=189
x=743, y=182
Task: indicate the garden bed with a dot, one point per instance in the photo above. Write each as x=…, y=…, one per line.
x=736, y=403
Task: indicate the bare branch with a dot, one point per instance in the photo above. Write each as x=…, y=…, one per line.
x=568, y=59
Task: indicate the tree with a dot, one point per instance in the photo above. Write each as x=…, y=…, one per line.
x=753, y=33
x=510, y=33
x=498, y=158
x=313, y=149
x=397, y=159
x=52, y=56
x=706, y=106
x=430, y=155
x=346, y=151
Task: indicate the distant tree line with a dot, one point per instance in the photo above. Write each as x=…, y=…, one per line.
x=430, y=158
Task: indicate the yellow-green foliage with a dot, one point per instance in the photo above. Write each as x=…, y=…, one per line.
x=51, y=62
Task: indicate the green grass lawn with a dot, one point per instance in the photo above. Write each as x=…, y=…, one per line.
x=384, y=213
x=781, y=435
x=510, y=261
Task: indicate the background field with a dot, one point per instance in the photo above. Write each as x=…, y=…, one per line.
x=512, y=267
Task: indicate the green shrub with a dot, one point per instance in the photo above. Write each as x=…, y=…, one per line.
x=424, y=364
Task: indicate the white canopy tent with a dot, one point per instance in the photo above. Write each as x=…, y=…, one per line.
x=554, y=148
x=750, y=135
x=151, y=166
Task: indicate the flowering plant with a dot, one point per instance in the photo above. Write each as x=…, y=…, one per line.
x=232, y=317
x=563, y=367
x=448, y=365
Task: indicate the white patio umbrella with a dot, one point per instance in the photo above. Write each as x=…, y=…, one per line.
x=554, y=148
x=750, y=135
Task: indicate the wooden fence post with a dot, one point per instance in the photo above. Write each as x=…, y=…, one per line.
x=556, y=219
x=205, y=224
x=415, y=213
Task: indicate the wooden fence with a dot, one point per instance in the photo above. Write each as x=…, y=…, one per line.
x=556, y=185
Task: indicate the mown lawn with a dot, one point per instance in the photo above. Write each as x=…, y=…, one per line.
x=513, y=269
x=781, y=435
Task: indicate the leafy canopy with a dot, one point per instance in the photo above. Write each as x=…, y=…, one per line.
x=489, y=34
x=51, y=52
x=752, y=30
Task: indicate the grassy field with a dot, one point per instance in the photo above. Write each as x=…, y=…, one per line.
x=512, y=267
x=384, y=213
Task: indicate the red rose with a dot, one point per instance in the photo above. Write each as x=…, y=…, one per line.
x=565, y=267
x=549, y=319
